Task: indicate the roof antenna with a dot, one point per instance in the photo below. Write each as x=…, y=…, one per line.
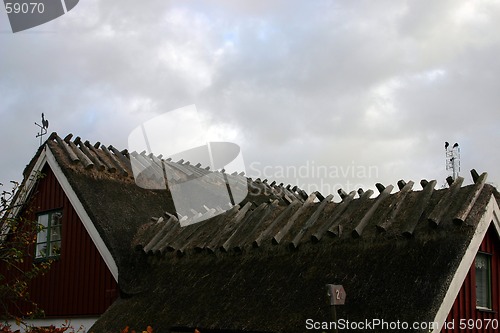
x=43, y=128
x=452, y=158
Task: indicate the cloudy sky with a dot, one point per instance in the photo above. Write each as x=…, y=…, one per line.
x=322, y=94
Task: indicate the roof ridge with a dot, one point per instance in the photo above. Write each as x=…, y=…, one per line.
x=101, y=158
x=150, y=172
x=399, y=215
x=108, y=159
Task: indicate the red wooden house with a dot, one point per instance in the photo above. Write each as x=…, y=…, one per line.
x=82, y=281
x=79, y=236
x=426, y=260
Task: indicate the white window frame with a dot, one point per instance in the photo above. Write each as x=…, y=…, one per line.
x=49, y=238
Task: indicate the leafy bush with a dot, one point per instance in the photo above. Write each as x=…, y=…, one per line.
x=6, y=328
x=17, y=236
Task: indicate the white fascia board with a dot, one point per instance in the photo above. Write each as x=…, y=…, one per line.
x=28, y=185
x=82, y=214
x=491, y=215
x=25, y=191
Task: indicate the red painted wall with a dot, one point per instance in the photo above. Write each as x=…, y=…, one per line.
x=465, y=303
x=78, y=282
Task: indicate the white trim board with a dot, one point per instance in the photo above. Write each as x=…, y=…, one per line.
x=28, y=185
x=25, y=191
x=491, y=215
x=82, y=214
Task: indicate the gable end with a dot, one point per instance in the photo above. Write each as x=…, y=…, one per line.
x=490, y=215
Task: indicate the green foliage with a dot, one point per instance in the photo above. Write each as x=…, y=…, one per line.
x=6, y=328
x=17, y=236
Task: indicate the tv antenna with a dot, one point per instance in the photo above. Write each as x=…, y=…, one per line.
x=43, y=128
x=452, y=158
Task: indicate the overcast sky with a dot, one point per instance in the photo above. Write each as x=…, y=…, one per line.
x=322, y=94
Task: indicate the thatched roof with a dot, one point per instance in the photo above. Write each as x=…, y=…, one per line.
x=262, y=266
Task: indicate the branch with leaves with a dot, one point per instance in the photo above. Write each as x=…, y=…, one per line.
x=17, y=237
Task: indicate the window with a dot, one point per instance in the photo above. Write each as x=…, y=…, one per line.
x=483, y=280
x=48, y=240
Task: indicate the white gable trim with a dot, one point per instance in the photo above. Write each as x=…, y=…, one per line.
x=28, y=185
x=25, y=191
x=82, y=213
x=491, y=215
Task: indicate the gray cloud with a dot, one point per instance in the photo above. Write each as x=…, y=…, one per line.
x=340, y=84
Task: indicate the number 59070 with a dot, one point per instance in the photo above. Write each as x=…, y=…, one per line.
x=25, y=7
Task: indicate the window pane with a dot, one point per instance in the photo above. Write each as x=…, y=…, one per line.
x=43, y=220
x=42, y=236
x=483, y=281
x=49, y=238
x=55, y=233
x=41, y=250
x=55, y=248
x=56, y=219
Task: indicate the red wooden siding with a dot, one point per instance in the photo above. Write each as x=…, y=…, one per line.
x=78, y=282
x=465, y=303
